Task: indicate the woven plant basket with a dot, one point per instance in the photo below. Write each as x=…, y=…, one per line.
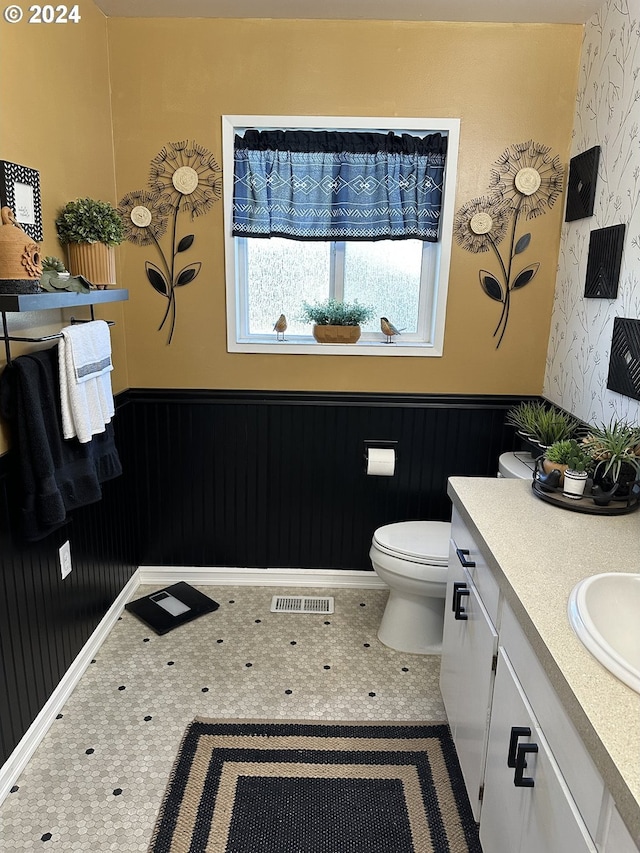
x=336, y=334
x=95, y=261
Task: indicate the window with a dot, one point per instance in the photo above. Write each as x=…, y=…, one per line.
x=403, y=279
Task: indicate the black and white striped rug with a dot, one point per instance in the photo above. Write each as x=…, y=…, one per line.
x=285, y=787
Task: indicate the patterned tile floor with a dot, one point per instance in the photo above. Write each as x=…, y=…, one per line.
x=97, y=780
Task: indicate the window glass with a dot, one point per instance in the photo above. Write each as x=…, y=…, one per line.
x=281, y=275
x=385, y=274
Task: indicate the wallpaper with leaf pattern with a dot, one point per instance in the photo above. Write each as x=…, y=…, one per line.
x=607, y=114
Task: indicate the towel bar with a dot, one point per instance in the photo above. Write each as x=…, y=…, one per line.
x=7, y=338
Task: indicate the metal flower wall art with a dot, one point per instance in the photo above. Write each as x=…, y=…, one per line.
x=525, y=182
x=184, y=177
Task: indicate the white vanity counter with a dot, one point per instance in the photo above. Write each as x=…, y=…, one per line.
x=538, y=552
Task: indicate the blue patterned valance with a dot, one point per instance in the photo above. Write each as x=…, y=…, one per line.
x=333, y=185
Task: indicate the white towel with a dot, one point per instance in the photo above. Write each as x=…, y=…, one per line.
x=91, y=349
x=86, y=402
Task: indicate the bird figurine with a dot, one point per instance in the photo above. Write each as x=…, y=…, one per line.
x=280, y=327
x=388, y=329
x=602, y=497
x=549, y=482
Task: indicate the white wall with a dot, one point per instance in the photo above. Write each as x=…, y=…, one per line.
x=607, y=114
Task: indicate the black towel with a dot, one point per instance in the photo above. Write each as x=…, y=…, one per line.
x=56, y=475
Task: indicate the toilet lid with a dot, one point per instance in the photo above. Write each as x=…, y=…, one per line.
x=420, y=541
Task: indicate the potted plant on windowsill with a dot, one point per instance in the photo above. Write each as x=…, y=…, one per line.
x=336, y=322
x=90, y=229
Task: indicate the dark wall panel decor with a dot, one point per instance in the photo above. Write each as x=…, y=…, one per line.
x=581, y=188
x=603, y=262
x=624, y=362
x=45, y=621
x=250, y=479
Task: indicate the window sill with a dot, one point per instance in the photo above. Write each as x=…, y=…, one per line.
x=369, y=348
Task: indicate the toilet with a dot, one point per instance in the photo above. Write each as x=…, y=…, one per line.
x=411, y=558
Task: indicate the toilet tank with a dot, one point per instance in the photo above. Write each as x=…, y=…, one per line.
x=519, y=465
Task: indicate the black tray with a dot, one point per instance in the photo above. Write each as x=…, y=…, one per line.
x=586, y=503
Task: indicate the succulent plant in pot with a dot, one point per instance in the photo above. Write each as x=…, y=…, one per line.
x=563, y=455
x=90, y=229
x=336, y=322
x=614, y=449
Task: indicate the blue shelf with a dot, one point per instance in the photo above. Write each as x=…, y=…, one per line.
x=17, y=302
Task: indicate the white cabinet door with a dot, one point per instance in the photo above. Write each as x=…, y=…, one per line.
x=537, y=814
x=466, y=675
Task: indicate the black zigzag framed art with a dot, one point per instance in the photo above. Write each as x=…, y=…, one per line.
x=20, y=190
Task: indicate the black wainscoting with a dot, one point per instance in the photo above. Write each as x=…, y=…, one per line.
x=44, y=621
x=277, y=480
x=218, y=478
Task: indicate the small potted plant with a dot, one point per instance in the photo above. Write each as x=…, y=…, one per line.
x=90, y=229
x=559, y=455
x=615, y=451
x=575, y=476
x=336, y=322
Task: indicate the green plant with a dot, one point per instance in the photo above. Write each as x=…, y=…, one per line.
x=561, y=452
x=87, y=221
x=52, y=264
x=613, y=446
x=546, y=425
x=332, y=312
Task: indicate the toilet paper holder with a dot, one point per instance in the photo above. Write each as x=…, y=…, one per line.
x=378, y=444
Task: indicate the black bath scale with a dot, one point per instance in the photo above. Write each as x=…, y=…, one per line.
x=175, y=605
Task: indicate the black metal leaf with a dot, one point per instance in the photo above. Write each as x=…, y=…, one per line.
x=491, y=286
x=522, y=244
x=156, y=278
x=185, y=243
x=188, y=274
x=525, y=276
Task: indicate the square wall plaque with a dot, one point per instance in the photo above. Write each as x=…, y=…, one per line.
x=603, y=263
x=624, y=362
x=20, y=190
x=581, y=187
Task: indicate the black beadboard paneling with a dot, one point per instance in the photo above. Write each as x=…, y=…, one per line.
x=45, y=621
x=227, y=478
x=271, y=479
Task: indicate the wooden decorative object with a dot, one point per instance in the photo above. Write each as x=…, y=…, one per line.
x=20, y=267
x=336, y=334
x=95, y=261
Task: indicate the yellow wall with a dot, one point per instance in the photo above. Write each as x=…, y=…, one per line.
x=76, y=99
x=172, y=79
x=56, y=118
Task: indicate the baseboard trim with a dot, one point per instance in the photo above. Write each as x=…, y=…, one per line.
x=19, y=758
x=214, y=576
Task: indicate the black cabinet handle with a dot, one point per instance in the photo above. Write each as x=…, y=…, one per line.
x=458, y=610
x=454, y=599
x=519, y=779
x=462, y=553
x=516, y=733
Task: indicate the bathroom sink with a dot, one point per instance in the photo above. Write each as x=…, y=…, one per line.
x=604, y=611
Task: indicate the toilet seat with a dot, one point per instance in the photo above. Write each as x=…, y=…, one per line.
x=424, y=542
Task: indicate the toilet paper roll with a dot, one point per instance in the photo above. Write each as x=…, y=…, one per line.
x=381, y=461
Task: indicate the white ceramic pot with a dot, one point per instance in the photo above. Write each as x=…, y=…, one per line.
x=574, y=483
